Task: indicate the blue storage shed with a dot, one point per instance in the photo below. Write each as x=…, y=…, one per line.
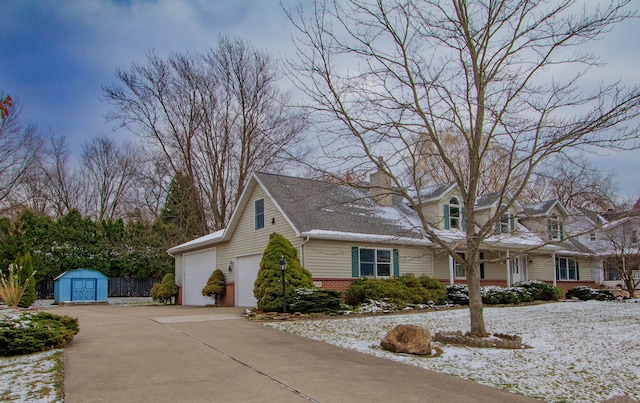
x=82, y=285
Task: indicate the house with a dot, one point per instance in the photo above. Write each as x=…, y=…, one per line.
x=614, y=239
x=344, y=232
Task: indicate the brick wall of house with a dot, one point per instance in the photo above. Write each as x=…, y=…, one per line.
x=338, y=284
x=229, y=296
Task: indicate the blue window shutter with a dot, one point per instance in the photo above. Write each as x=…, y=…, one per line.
x=481, y=266
x=355, y=263
x=557, y=269
x=512, y=221
x=396, y=263
x=577, y=271
x=561, y=230
x=464, y=224
x=446, y=216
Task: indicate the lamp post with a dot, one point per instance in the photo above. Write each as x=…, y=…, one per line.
x=283, y=267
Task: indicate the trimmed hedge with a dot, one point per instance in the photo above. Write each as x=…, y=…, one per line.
x=28, y=332
x=525, y=291
x=586, y=293
x=404, y=290
x=316, y=300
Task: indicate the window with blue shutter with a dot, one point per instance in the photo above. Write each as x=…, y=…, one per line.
x=396, y=263
x=355, y=262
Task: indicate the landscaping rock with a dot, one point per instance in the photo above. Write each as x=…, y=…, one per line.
x=409, y=339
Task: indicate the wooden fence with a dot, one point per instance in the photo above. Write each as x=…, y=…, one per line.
x=118, y=287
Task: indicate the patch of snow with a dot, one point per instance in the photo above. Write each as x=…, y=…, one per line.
x=29, y=378
x=339, y=235
x=582, y=351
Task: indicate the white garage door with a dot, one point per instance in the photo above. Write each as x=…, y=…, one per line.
x=197, y=267
x=246, y=273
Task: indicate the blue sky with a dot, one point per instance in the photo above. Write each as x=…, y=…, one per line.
x=55, y=56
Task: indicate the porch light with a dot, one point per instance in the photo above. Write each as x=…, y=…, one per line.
x=283, y=267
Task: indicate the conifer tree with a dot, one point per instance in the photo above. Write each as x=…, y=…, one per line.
x=183, y=207
x=268, y=285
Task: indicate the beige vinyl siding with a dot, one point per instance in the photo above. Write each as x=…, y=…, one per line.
x=495, y=268
x=332, y=259
x=441, y=268
x=586, y=269
x=246, y=240
x=541, y=267
x=433, y=213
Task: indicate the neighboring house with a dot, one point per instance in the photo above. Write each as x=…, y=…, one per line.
x=343, y=233
x=614, y=239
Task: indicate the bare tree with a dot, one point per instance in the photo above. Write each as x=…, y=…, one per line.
x=216, y=117
x=622, y=245
x=494, y=167
x=109, y=171
x=61, y=183
x=576, y=183
x=154, y=175
x=380, y=74
x=19, y=146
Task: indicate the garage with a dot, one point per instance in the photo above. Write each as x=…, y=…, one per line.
x=246, y=273
x=197, y=267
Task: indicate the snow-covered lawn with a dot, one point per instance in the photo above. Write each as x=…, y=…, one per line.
x=582, y=351
x=32, y=378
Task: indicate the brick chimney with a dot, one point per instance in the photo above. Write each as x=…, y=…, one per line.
x=380, y=188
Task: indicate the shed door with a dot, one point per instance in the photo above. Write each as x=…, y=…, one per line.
x=196, y=270
x=83, y=289
x=246, y=273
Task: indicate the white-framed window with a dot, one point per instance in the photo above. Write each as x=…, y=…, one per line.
x=258, y=208
x=453, y=214
x=375, y=262
x=458, y=269
x=567, y=269
x=555, y=227
x=593, y=237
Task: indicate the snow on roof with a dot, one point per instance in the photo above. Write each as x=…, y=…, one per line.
x=352, y=236
x=202, y=241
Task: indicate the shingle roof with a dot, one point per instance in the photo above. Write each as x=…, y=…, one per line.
x=317, y=205
x=539, y=208
x=486, y=200
x=435, y=191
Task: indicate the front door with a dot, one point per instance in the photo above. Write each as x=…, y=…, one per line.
x=518, y=269
x=83, y=289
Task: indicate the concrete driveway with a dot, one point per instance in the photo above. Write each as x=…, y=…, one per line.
x=188, y=354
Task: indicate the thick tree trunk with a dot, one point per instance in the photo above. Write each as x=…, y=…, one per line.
x=475, y=299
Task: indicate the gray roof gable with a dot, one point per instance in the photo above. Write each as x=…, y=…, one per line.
x=317, y=205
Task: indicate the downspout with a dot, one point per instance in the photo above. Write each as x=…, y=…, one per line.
x=508, y=270
x=553, y=265
x=452, y=266
x=302, y=257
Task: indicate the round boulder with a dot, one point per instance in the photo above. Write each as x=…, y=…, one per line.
x=408, y=339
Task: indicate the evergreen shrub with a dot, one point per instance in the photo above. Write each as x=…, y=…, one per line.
x=586, y=293
x=166, y=291
x=215, y=287
x=404, y=290
x=268, y=285
x=31, y=332
x=316, y=300
x=540, y=291
x=457, y=294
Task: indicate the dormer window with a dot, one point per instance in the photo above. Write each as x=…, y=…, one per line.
x=453, y=214
x=507, y=221
x=555, y=228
